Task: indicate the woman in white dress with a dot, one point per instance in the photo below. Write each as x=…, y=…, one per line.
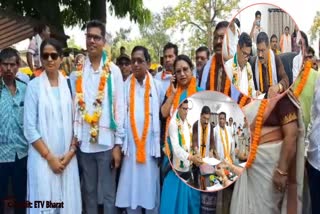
x=53, y=176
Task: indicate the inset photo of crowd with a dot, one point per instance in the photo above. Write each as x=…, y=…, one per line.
x=209, y=141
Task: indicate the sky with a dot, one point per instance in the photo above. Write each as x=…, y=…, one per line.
x=302, y=12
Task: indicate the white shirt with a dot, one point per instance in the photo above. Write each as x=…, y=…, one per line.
x=296, y=66
x=179, y=153
x=108, y=137
x=230, y=42
x=165, y=83
x=219, y=143
x=22, y=76
x=34, y=49
x=313, y=133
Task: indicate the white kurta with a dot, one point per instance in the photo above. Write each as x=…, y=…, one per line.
x=139, y=183
x=165, y=84
x=219, y=143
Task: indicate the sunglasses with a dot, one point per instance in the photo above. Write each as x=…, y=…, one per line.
x=54, y=56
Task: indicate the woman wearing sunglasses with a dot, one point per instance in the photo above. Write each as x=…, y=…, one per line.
x=52, y=168
x=183, y=85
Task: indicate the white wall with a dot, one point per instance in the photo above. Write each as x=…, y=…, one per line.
x=230, y=108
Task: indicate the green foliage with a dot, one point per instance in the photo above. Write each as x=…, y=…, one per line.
x=72, y=44
x=198, y=17
x=315, y=28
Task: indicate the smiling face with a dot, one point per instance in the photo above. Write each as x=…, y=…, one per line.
x=183, y=73
x=94, y=41
x=51, y=60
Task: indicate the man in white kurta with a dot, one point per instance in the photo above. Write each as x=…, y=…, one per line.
x=285, y=41
x=99, y=158
x=223, y=139
x=139, y=183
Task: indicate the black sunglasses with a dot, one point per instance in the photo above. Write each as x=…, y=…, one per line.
x=54, y=56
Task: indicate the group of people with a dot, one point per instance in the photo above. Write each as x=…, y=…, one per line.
x=63, y=139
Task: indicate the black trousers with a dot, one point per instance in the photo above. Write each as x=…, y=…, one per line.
x=17, y=171
x=314, y=187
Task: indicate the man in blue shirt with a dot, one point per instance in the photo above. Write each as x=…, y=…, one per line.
x=13, y=145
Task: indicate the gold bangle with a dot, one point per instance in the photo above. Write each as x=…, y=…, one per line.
x=281, y=172
x=280, y=88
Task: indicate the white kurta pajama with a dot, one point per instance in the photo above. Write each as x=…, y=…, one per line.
x=139, y=184
x=219, y=143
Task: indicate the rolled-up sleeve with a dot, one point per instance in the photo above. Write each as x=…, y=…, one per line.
x=31, y=113
x=119, y=105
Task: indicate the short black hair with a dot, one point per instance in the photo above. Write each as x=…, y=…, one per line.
x=98, y=24
x=205, y=110
x=53, y=42
x=144, y=50
x=8, y=53
x=40, y=28
x=305, y=37
x=222, y=24
x=273, y=36
x=170, y=45
x=184, y=58
x=223, y=113
x=236, y=20
x=122, y=48
x=287, y=27
x=203, y=48
x=263, y=37
x=184, y=101
x=310, y=50
x=257, y=13
x=245, y=40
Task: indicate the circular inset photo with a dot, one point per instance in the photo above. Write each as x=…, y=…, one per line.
x=208, y=141
x=261, y=51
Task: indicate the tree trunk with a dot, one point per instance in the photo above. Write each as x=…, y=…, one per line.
x=98, y=10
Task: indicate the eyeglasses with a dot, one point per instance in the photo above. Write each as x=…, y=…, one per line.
x=54, y=56
x=244, y=54
x=139, y=61
x=95, y=38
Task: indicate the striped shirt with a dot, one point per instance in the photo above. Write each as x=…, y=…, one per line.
x=12, y=140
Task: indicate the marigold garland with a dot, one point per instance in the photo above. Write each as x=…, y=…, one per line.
x=304, y=77
x=235, y=78
x=181, y=138
x=269, y=73
x=226, y=145
x=243, y=101
x=212, y=73
x=257, y=133
x=93, y=119
x=140, y=142
x=204, y=141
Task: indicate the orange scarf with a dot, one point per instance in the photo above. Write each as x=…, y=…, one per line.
x=269, y=73
x=226, y=145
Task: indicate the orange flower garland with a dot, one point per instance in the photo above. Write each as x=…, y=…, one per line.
x=203, y=142
x=212, y=73
x=269, y=73
x=140, y=142
x=93, y=119
x=304, y=78
x=243, y=101
x=226, y=145
x=257, y=134
x=212, y=77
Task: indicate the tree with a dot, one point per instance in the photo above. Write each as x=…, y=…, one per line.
x=315, y=28
x=70, y=13
x=198, y=17
x=155, y=34
x=72, y=44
